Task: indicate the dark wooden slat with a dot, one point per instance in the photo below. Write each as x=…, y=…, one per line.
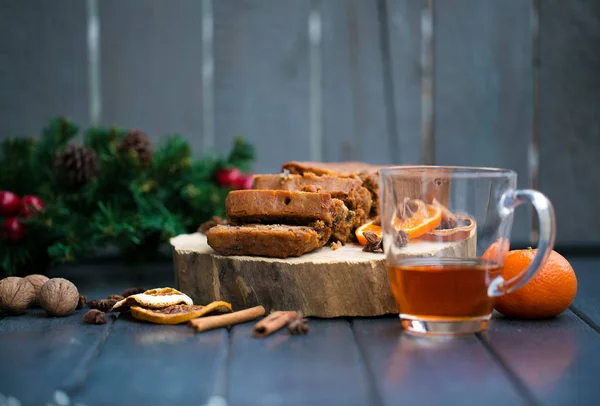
x=411, y=370
x=556, y=359
x=321, y=368
x=39, y=353
x=483, y=88
x=404, y=33
x=356, y=126
x=261, y=78
x=570, y=114
x=587, y=301
x=43, y=64
x=143, y=363
x=151, y=66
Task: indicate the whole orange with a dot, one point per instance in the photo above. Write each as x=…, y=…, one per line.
x=497, y=250
x=547, y=294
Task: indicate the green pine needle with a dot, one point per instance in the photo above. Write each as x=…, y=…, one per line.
x=128, y=207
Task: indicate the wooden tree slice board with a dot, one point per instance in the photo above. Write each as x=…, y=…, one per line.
x=324, y=283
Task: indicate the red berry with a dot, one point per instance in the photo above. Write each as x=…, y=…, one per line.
x=9, y=203
x=29, y=205
x=245, y=181
x=228, y=177
x=12, y=229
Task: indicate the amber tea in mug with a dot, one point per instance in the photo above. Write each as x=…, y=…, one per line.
x=443, y=288
x=446, y=278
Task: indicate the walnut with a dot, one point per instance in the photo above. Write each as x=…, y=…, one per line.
x=59, y=297
x=16, y=295
x=37, y=281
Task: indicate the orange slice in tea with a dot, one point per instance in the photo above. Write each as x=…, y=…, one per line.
x=423, y=219
x=360, y=232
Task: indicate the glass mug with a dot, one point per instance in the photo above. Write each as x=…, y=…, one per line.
x=446, y=235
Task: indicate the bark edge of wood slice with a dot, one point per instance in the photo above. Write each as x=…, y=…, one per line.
x=327, y=283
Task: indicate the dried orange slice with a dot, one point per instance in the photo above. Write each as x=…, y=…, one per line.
x=177, y=314
x=153, y=299
x=424, y=218
x=360, y=232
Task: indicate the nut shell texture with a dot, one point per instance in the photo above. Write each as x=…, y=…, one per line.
x=59, y=297
x=16, y=295
x=37, y=281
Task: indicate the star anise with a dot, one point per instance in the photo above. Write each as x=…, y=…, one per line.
x=103, y=305
x=298, y=325
x=449, y=220
x=374, y=242
x=207, y=225
x=407, y=208
x=116, y=297
x=401, y=239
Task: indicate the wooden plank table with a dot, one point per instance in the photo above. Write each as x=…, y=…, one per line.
x=61, y=361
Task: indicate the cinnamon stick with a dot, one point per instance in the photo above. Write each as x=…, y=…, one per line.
x=224, y=320
x=272, y=323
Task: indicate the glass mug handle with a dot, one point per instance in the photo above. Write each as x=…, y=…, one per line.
x=547, y=235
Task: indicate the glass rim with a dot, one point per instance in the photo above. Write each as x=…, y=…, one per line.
x=456, y=171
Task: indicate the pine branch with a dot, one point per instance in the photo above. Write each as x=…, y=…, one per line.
x=128, y=206
x=16, y=172
x=104, y=140
x=13, y=258
x=55, y=136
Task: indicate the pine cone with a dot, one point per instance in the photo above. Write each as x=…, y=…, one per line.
x=137, y=141
x=78, y=164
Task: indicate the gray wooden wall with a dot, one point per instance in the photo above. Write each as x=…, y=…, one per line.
x=330, y=80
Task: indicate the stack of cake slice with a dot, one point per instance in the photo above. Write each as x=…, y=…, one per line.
x=349, y=191
x=368, y=174
x=273, y=223
x=297, y=211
